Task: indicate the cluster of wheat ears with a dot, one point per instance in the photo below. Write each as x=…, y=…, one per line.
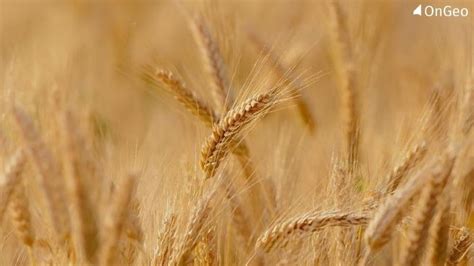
x=66, y=199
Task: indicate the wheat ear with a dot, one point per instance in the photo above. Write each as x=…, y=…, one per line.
x=10, y=178
x=166, y=241
x=424, y=212
x=439, y=234
x=344, y=63
x=133, y=231
x=200, y=110
x=116, y=221
x=49, y=171
x=21, y=217
x=194, y=227
x=380, y=229
x=308, y=223
x=224, y=133
x=460, y=248
x=85, y=216
x=288, y=80
x=213, y=61
x=222, y=97
x=411, y=159
x=181, y=93
x=205, y=249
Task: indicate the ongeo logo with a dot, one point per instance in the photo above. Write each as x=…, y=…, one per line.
x=446, y=11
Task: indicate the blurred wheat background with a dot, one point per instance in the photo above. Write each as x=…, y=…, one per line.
x=235, y=133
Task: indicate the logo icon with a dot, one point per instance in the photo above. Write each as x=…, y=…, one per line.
x=417, y=11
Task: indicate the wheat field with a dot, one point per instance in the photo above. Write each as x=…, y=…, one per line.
x=212, y=132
